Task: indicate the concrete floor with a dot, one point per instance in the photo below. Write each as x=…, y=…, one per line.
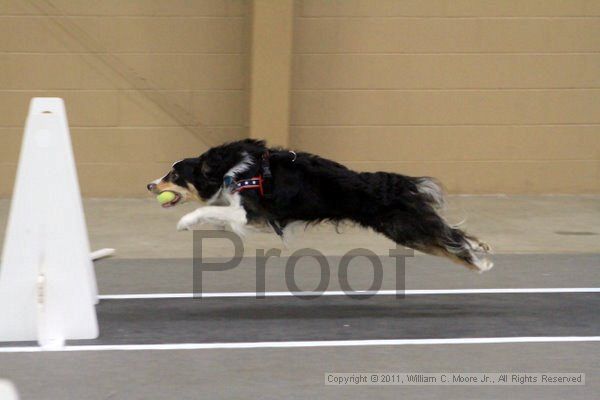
x=547, y=241
x=276, y=374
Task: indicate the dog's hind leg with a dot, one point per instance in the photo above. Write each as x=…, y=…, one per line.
x=429, y=233
x=464, y=252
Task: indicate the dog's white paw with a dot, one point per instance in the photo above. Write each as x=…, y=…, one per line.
x=187, y=222
x=483, y=265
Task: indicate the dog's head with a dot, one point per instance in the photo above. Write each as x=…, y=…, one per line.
x=179, y=180
x=202, y=178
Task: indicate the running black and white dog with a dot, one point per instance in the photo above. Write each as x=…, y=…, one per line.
x=245, y=182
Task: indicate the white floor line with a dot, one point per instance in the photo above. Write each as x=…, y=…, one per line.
x=341, y=293
x=306, y=344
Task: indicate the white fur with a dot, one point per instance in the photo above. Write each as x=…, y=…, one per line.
x=242, y=166
x=433, y=190
x=478, y=249
x=217, y=199
x=232, y=215
x=483, y=264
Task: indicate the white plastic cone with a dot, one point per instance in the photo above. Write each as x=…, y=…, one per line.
x=47, y=282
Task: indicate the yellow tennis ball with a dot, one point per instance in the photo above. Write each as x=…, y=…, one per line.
x=166, y=197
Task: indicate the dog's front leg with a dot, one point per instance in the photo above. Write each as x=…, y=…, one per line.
x=232, y=216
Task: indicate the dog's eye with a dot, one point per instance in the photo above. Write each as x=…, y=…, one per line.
x=174, y=176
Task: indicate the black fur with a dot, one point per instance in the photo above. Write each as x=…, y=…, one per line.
x=313, y=189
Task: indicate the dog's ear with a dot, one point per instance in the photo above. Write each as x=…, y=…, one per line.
x=205, y=165
x=202, y=168
x=207, y=173
x=212, y=164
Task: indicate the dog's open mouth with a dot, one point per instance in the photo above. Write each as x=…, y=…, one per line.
x=172, y=202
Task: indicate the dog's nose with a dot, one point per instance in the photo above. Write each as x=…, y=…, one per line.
x=151, y=187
